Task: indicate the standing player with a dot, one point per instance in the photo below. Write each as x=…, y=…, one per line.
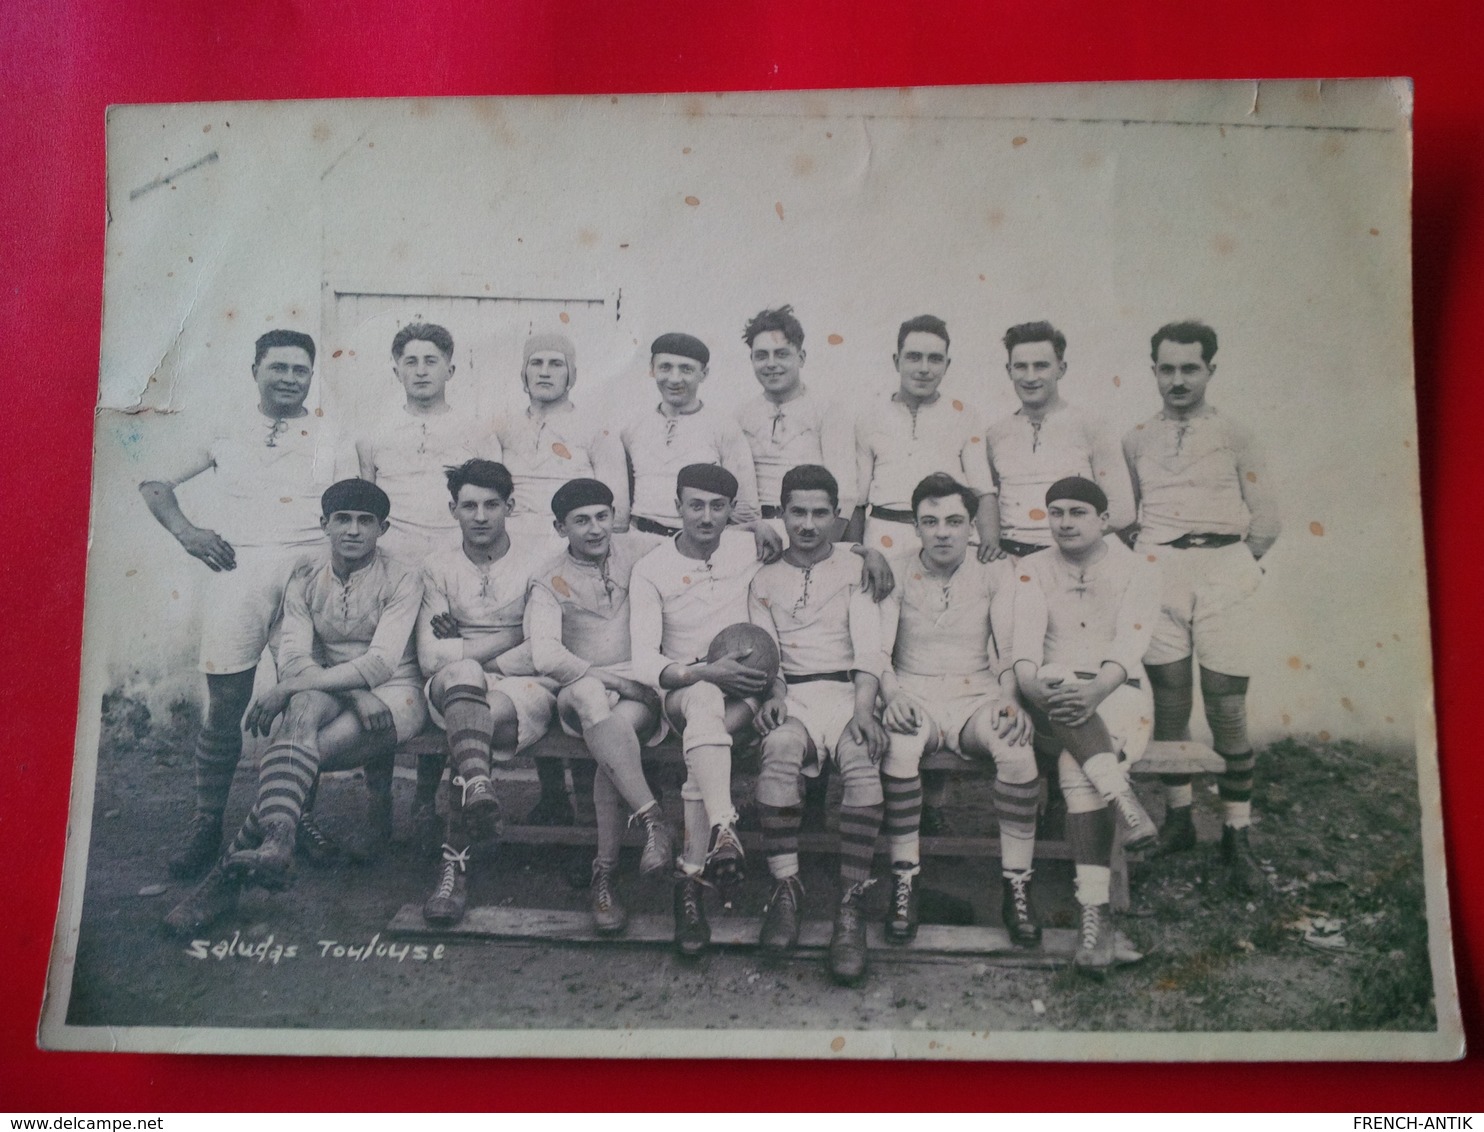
x=915, y=432
x=1084, y=612
x=943, y=630
x=680, y=595
x=679, y=431
x=481, y=686
x=546, y=444
x=813, y=604
x=348, y=691
x=271, y=466
x=789, y=426
x=406, y=454
x=577, y=620
x=1045, y=440
x=1207, y=512
x=900, y=441
x=550, y=441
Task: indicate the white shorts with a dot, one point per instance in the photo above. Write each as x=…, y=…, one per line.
x=825, y=708
x=953, y=700
x=243, y=607
x=626, y=669
x=408, y=703
x=534, y=698
x=1206, y=607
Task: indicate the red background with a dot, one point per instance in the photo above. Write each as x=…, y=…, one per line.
x=62, y=63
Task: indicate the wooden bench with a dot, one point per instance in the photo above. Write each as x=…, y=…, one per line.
x=1184, y=757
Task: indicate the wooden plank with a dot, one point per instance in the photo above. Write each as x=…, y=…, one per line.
x=551, y=925
x=1177, y=757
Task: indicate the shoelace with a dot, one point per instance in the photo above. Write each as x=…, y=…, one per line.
x=1091, y=925
x=856, y=891
x=310, y=829
x=726, y=838
x=789, y=891
x=691, y=900
x=1019, y=897
x=454, y=862
x=902, y=897
x=465, y=785
x=603, y=888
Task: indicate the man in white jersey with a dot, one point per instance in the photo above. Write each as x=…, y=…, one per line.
x=1045, y=440
x=270, y=467
x=680, y=596
x=1207, y=512
x=911, y=434
x=901, y=440
x=551, y=441
x=679, y=431
x=547, y=443
x=407, y=454
x=946, y=687
x=482, y=688
x=1084, y=612
x=577, y=620
x=788, y=426
x=348, y=690
x=813, y=604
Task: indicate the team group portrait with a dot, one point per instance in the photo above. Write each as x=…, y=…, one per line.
x=991, y=643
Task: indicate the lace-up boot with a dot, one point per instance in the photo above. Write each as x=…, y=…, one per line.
x=848, y=941
x=1015, y=910
x=781, y=916
x=199, y=848
x=902, y=913
x=692, y=932
x=609, y=917
x=1094, y=941
x=445, y=907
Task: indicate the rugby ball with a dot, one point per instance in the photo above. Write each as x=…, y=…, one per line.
x=757, y=648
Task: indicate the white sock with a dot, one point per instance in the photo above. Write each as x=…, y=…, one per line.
x=784, y=865
x=1238, y=815
x=1092, y=884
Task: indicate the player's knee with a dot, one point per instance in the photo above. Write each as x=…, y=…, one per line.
x=586, y=699
x=310, y=705
x=704, y=709
x=904, y=754
x=1015, y=764
x=1174, y=675
x=782, y=763
x=860, y=782
x=1220, y=684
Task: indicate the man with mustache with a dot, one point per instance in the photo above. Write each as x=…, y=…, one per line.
x=1208, y=514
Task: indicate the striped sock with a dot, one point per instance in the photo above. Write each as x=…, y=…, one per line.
x=216, y=756
x=466, y=711
x=781, y=838
x=1015, y=806
x=903, y=818
x=250, y=836
x=1236, y=784
x=859, y=826
x=285, y=776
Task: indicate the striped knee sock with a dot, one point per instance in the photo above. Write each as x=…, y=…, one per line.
x=284, y=778
x=1015, y=806
x=250, y=836
x=781, y=838
x=216, y=756
x=1235, y=787
x=859, y=826
x=903, y=818
x=466, y=711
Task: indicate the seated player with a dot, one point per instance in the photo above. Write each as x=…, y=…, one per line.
x=1084, y=612
x=680, y=594
x=348, y=690
x=577, y=620
x=813, y=603
x=482, y=689
x=546, y=443
x=680, y=431
x=940, y=629
x=405, y=454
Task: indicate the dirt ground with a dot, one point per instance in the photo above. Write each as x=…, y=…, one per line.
x=1338, y=831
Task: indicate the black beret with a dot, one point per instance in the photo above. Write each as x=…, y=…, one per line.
x=355, y=495
x=685, y=345
x=579, y=493
x=707, y=477
x=1076, y=487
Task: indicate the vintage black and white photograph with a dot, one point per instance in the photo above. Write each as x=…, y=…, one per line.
x=922, y=573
